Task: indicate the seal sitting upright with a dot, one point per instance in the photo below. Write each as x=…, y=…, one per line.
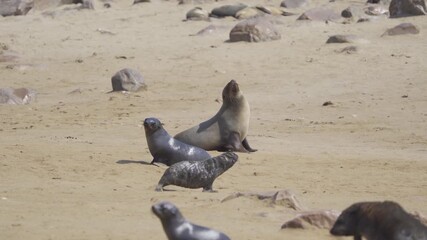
x=166, y=149
x=227, y=130
x=177, y=227
x=197, y=174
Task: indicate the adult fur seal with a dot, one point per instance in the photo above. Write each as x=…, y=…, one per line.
x=166, y=149
x=177, y=227
x=227, y=130
x=197, y=174
x=378, y=221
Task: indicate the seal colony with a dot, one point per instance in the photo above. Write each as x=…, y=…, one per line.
x=197, y=174
x=177, y=227
x=228, y=129
x=166, y=149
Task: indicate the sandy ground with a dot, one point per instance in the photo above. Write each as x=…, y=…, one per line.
x=61, y=174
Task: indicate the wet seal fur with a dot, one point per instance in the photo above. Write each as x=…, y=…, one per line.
x=227, y=130
x=378, y=221
x=177, y=227
x=166, y=149
x=197, y=174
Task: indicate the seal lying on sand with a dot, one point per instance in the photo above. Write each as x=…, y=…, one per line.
x=177, y=227
x=167, y=150
x=227, y=130
x=378, y=221
x=197, y=174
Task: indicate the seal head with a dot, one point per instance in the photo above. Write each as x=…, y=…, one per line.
x=166, y=149
x=177, y=227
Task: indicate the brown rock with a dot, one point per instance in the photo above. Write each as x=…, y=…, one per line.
x=401, y=29
x=282, y=198
x=17, y=96
x=313, y=219
x=319, y=14
x=15, y=7
x=256, y=29
x=128, y=80
x=406, y=8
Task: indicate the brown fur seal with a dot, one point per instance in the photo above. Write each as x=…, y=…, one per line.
x=378, y=221
x=197, y=174
x=166, y=149
x=177, y=227
x=227, y=130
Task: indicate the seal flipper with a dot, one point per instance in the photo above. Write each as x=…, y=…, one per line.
x=247, y=147
x=209, y=189
x=159, y=160
x=234, y=144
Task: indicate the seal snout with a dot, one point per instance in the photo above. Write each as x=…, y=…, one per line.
x=151, y=123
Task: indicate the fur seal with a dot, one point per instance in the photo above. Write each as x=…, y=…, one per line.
x=227, y=130
x=177, y=227
x=378, y=221
x=197, y=174
x=166, y=149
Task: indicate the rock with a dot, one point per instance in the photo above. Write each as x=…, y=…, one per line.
x=17, y=96
x=180, y=2
x=343, y=39
x=256, y=29
x=348, y=50
x=209, y=30
x=319, y=14
x=293, y=3
x=403, y=28
x=270, y=10
x=352, y=12
x=313, y=219
x=88, y=4
x=376, y=11
x=249, y=12
x=282, y=198
x=141, y=1
x=227, y=10
x=15, y=7
x=128, y=80
x=197, y=14
x=406, y=8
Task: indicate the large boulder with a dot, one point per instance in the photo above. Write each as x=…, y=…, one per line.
x=406, y=8
x=128, y=80
x=17, y=96
x=257, y=29
x=15, y=7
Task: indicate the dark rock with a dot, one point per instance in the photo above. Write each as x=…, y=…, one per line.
x=256, y=29
x=282, y=198
x=293, y=3
x=403, y=28
x=17, y=96
x=327, y=103
x=352, y=12
x=128, y=80
x=342, y=39
x=197, y=14
x=15, y=7
x=227, y=10
x=363, y=20
x=141, y=1
x=406, y=8
x=320, y=14
x=313, y=219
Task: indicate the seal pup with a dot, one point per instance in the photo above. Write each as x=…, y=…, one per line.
x=177, y=227
x=227, y=130
x=197, y=174
x=166, y=149
x=378, y=221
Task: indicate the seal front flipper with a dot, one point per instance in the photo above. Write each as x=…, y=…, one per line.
x=247, y=147
x=209, y=188
x=234, y=144
x=159, y=160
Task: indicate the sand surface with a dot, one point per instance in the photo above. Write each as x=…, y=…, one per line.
x=70, y=162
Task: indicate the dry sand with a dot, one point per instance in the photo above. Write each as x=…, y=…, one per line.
x=60, y=172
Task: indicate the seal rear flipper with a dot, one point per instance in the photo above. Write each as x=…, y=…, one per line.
x=247, y=147
x=209, y=189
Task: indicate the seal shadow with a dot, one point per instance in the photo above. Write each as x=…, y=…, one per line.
x=133, y=161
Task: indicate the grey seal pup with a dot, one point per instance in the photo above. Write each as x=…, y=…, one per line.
x=177, y=227
x=378, y=221
x=227, y=130
x=166, y=149
x=197, y=174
